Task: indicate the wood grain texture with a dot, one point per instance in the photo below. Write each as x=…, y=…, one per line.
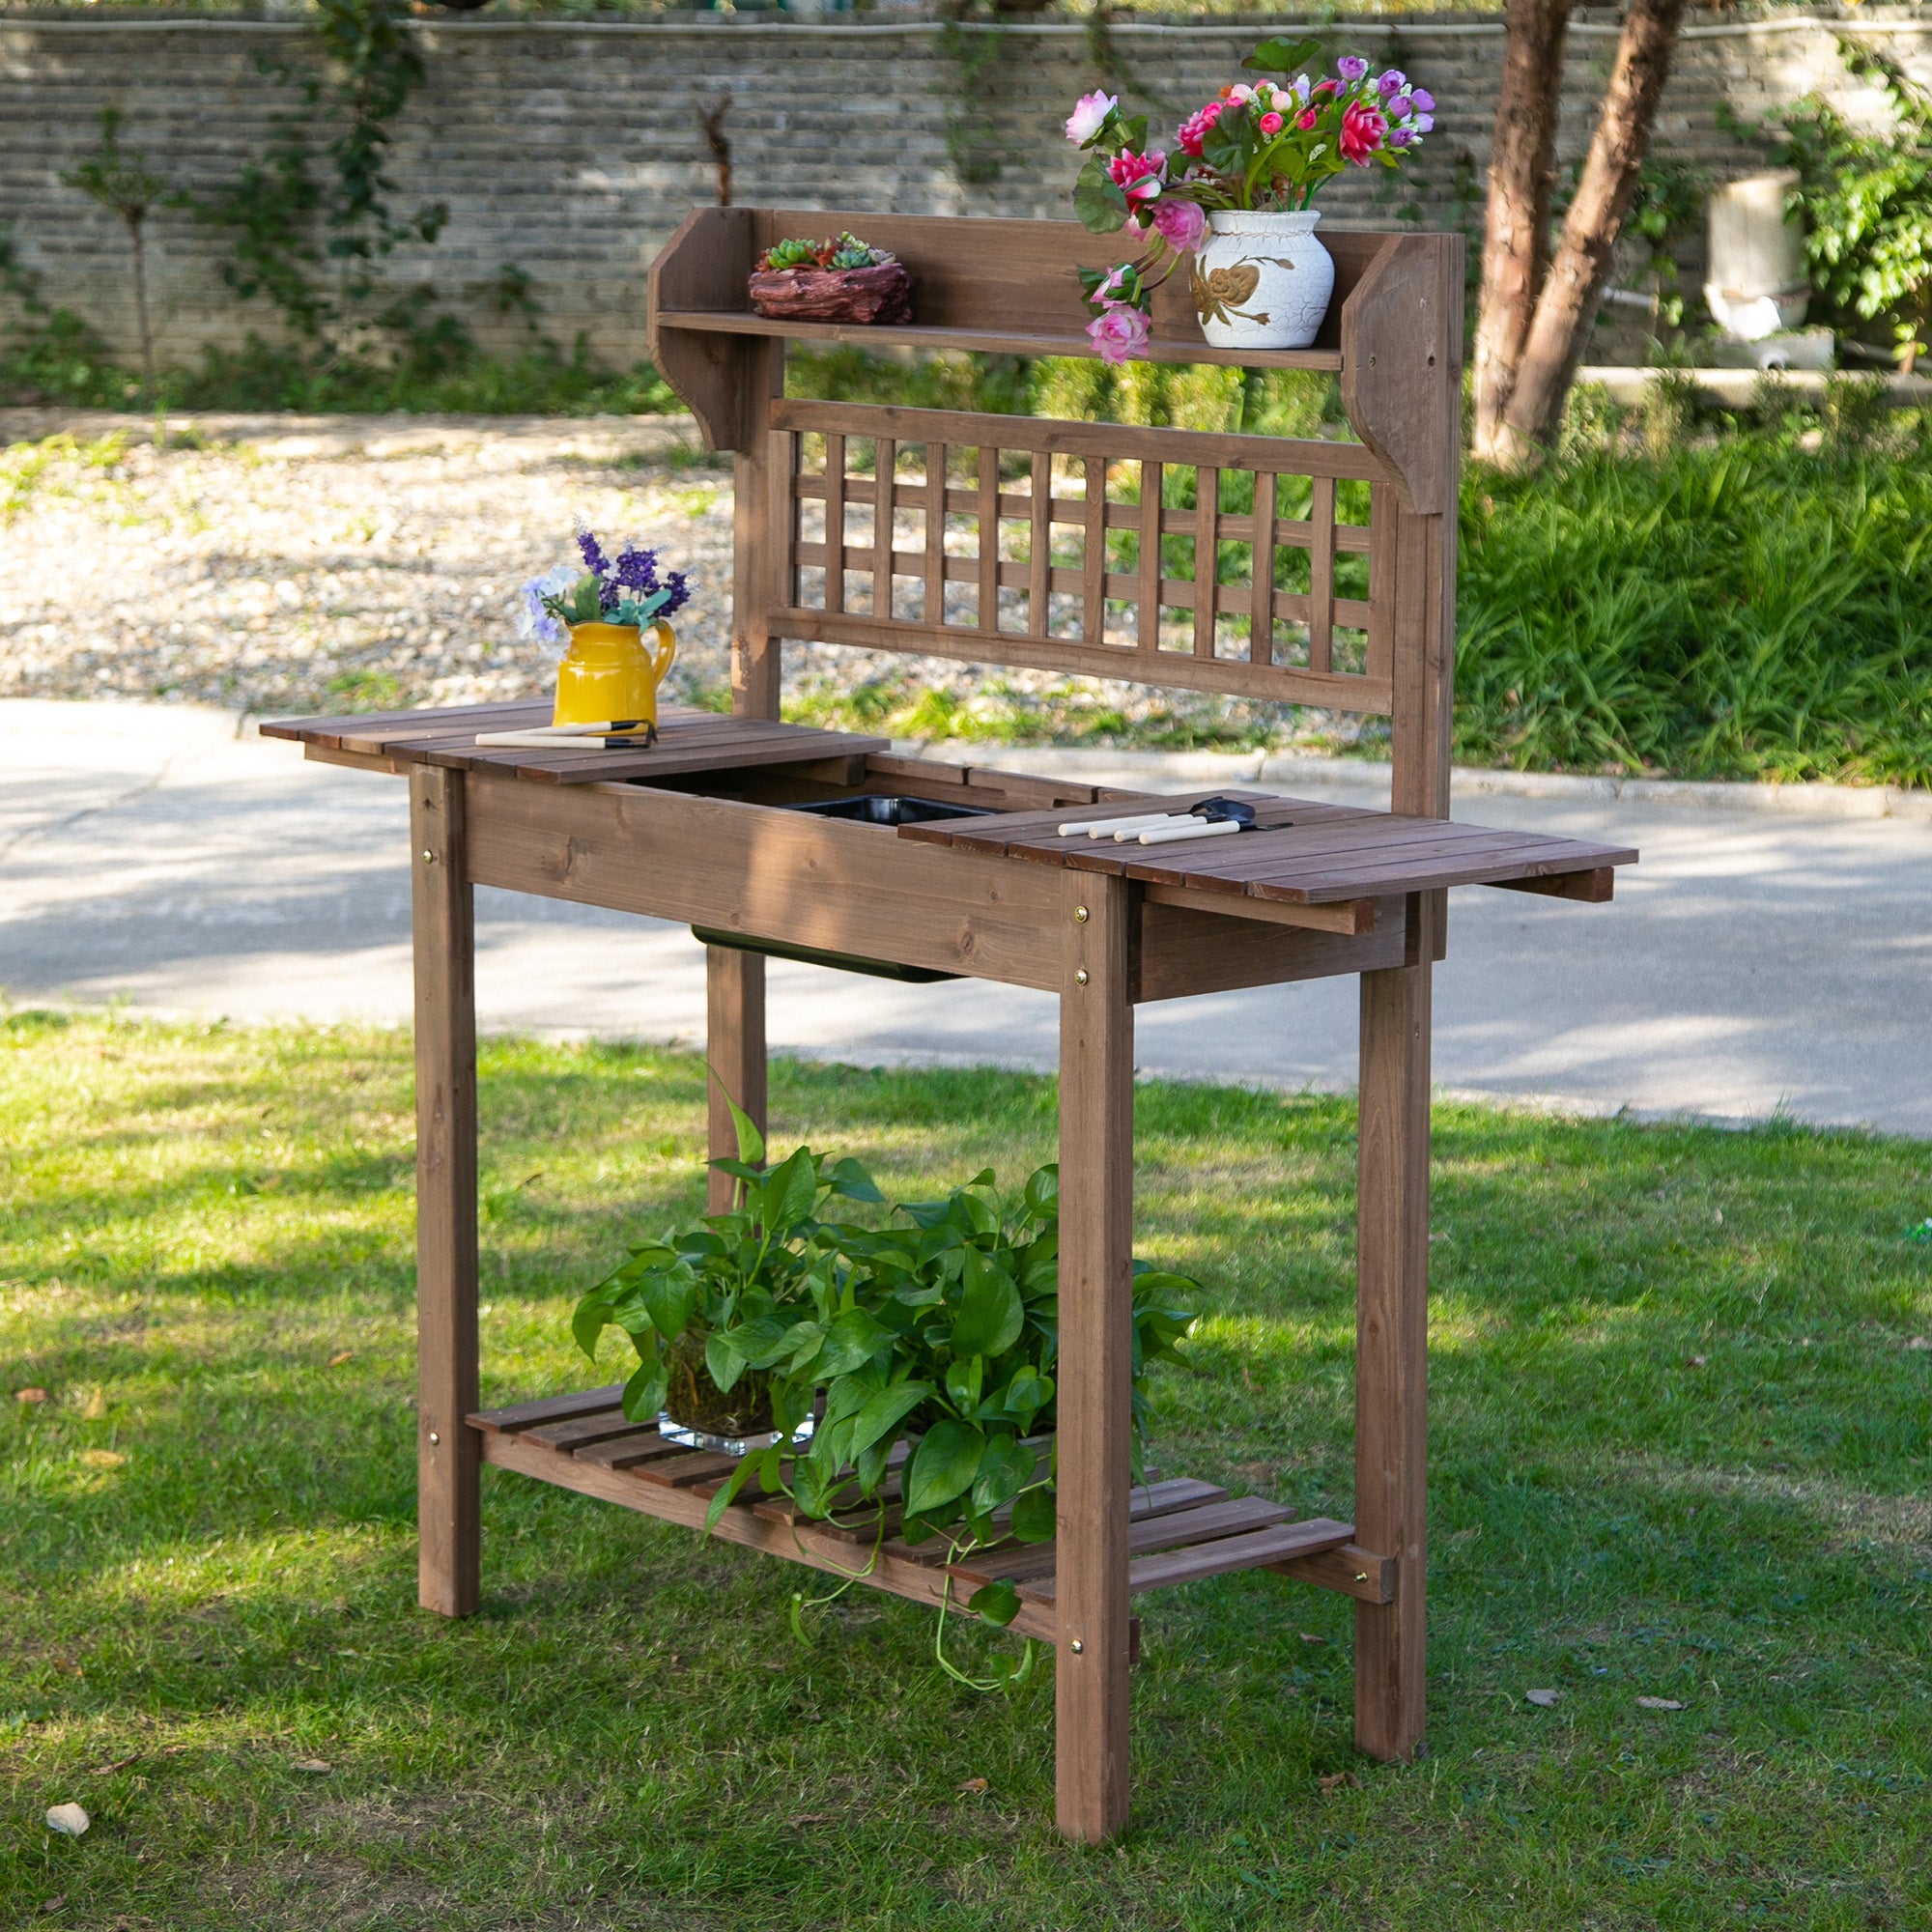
x=545, y=1408
x=448, y=1505
x=734, y=1047
x=834, y=886
x=708, y=265
x=1392, y=1352
x=1097, y=1188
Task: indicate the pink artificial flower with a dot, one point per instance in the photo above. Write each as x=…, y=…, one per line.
x=1193, y=132
x=1330, y=86
x=1270, y=124
x=1308, y=119
x=1119, y=332
x=1362, y=132
x=1138, y=176
x=1182, y=224
x=1088, y=116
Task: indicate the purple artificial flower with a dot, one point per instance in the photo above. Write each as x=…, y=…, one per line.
x=1352, y=68
x=1423, y=122
x=1392, y=81
x=1423, y=98
x=680, y=593
x=1398, y=109
x=638, y=570
x=608, y=597
x=1399, y=138
x=594, y=559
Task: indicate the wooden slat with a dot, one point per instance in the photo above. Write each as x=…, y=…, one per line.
x=885, y=455
x=1200, y=1522
x=935, y=533
x=989, y=537
x=1261, y=571
x=687, y=1471
x=1147, y=636
x=1207, y=554
x=512, y=715
x=1382, y=536
x=1281, y=683
x=1322, y=576
x=1120, y=443
x=627, y=1452
x=1351, y=1570
x=580, y=1431
x=1039, y=544
x=1093, y=553
x=1597, y=886
x=1237, y=1552
x=550, y=1408
x=834, y=522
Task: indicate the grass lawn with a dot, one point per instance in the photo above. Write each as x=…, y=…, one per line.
x=1680, y=1451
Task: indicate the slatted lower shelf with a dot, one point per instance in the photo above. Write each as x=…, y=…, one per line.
x=1180, y=1529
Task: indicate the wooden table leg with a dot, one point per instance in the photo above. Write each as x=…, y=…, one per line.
x=1392, y=1352
x=1097, y=1193
x=734, y=1022
x=448, y=1505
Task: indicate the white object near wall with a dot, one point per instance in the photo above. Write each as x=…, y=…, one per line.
x=1757, y=286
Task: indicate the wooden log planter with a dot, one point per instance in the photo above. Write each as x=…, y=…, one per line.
x=1006, y=541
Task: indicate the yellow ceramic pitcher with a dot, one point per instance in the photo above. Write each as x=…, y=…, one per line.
x=609, y=675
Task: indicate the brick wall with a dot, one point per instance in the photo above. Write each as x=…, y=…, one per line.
x=571, y=150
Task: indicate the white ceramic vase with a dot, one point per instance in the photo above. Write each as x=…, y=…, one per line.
x=1262, y=280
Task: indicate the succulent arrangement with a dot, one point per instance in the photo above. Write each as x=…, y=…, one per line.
x=925, y=1348
x=626, y=590
x=842, y=251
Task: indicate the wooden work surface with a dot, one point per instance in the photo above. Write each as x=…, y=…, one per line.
x=688, y=741
x=1301, y=852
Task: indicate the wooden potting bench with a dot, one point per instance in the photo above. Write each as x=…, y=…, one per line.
x=1058, y=545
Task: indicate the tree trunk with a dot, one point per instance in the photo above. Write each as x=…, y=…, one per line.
x=1568, y=302
x=1516, y=235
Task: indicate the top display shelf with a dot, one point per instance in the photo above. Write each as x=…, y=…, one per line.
x=1392, y=335
x=993, y=342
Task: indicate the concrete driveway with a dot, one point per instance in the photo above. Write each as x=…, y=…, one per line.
x=1755, y=959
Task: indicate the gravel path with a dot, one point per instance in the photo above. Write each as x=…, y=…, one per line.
x=279, y=563
x=274, y=564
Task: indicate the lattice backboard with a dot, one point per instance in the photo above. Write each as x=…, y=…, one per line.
x=1086, y=547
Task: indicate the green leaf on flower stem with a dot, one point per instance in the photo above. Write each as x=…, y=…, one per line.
x=999, y=1602
x=750, y=1142
x=1034, y=1515
x=1283, y=56
x=943, y=1466
x=991, y=1314
x=1098, y=199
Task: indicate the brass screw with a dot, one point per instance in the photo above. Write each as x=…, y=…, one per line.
x=1080, y=977
x=1361, y=1576
x=429, y=857
x=434, y=1437
x=1080, y=915
x=1077, y=1647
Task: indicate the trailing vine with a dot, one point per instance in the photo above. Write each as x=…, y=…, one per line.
x=311, y=246
x=1111, y=65
x=972, y=136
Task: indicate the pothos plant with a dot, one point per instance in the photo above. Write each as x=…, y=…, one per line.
x=927, y=1347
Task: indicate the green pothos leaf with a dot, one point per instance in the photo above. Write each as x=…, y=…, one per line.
x=998, y=1602
x=750, y=1142
x=1034, y=1515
